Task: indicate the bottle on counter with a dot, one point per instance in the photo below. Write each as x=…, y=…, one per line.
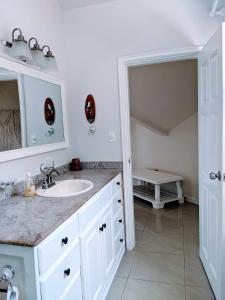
x=29, y=186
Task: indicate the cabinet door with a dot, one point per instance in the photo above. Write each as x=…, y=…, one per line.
x=92, y=261
x=108, y=241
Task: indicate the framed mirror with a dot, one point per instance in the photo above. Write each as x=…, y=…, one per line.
x=32, y=112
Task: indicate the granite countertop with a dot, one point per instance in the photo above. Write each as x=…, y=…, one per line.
x=28, y=221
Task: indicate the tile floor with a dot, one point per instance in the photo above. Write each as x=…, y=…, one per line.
x=165, y=263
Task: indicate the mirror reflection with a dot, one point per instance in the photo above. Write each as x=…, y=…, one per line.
x=30, y=111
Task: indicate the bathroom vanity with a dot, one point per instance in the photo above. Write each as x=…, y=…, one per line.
x=65, y=248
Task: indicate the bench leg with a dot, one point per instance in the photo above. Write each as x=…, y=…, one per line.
x=157, y=204
x=179, y=192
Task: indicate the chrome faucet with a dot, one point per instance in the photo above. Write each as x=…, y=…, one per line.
x=6, y=189
x=49, y=178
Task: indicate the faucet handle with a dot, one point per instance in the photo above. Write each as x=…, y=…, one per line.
x=45, y=170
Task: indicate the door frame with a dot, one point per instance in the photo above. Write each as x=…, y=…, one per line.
x=123, y=63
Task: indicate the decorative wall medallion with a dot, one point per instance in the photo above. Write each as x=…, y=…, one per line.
x=90, y=109
x=49, y=111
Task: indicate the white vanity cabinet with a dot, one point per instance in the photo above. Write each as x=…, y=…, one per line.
x=77, y=261
x=100, y=255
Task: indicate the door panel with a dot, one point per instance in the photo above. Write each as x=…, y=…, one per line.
x=108, y=241
x=92, y=262
x=211, y=159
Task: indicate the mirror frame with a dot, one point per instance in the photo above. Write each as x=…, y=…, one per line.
x=24, y=69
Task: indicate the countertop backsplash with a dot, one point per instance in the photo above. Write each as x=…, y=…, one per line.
x=19, y=186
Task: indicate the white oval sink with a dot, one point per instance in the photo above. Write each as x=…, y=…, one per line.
x=66, y=188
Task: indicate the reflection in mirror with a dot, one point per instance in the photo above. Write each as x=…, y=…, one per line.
x=30, y=111
x=49, y=111
x=10, y=126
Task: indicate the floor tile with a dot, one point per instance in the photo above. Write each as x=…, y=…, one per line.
x=140, y=222
x=168, y=268
x=126, y=264
x=198, y=293
x=138, y=235
x=117, y=288
x=190, y=218
x=191, y=229
x=146, y=290
x=161, y=242
x=194, y=272
x=163, y=224
x=191, y=244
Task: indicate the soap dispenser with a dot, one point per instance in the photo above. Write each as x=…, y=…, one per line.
x=29, y=186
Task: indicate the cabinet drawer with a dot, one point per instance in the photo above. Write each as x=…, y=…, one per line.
x=117, y=183
x=119, y=242
x=118, y=222
x=74, y=291
x=117, y=202
x=55, y=284
x=57, y=243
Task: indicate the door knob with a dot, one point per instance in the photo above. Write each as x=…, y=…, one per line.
x=214, y=176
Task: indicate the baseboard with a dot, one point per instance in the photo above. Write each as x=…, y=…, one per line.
x=190, y=199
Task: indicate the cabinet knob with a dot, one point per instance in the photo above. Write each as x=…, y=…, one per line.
x=67, y=272
x=104, y=225
x=65, y=241
x=120, y=221
x=101, y=228
x=121, y=240
x=119, y=201
x=118, y=183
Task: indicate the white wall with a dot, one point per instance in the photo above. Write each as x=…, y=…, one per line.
x=97, y=35
x=176, y=153
x=42, y=19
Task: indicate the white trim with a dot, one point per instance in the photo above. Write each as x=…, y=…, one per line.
x=123, y=64
x=191, y=200
x=24, y=152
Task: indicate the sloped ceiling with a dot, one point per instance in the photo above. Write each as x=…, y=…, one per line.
x=72, y=4
x=163, y=95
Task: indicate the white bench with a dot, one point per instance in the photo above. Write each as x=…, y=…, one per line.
x=157, y=196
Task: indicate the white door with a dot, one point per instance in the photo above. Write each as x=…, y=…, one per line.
x=211, y=152
x=91, y=254
x=108, y=244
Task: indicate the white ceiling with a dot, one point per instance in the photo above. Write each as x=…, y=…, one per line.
x=72, y=4
x=163, y=95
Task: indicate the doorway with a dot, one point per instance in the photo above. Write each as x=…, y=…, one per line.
x=211, y=82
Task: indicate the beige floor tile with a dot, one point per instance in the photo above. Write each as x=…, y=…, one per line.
x=191, y=244
x=191, y=229
x=163, y=224
x=117, y=288
x=142, y=205
x=161, y=242
x=168, y=268
x=190, y=218
x=138, y=235
x=194, y=272
x=173, y=213
x=146, y=290
x=198, y=293
x=190, y=209
x=140, y=222
x=126, y=264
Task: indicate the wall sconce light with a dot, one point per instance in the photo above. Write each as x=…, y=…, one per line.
x=37, y=53
x=23, y=51
x=50, y=61
x=19, y=48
